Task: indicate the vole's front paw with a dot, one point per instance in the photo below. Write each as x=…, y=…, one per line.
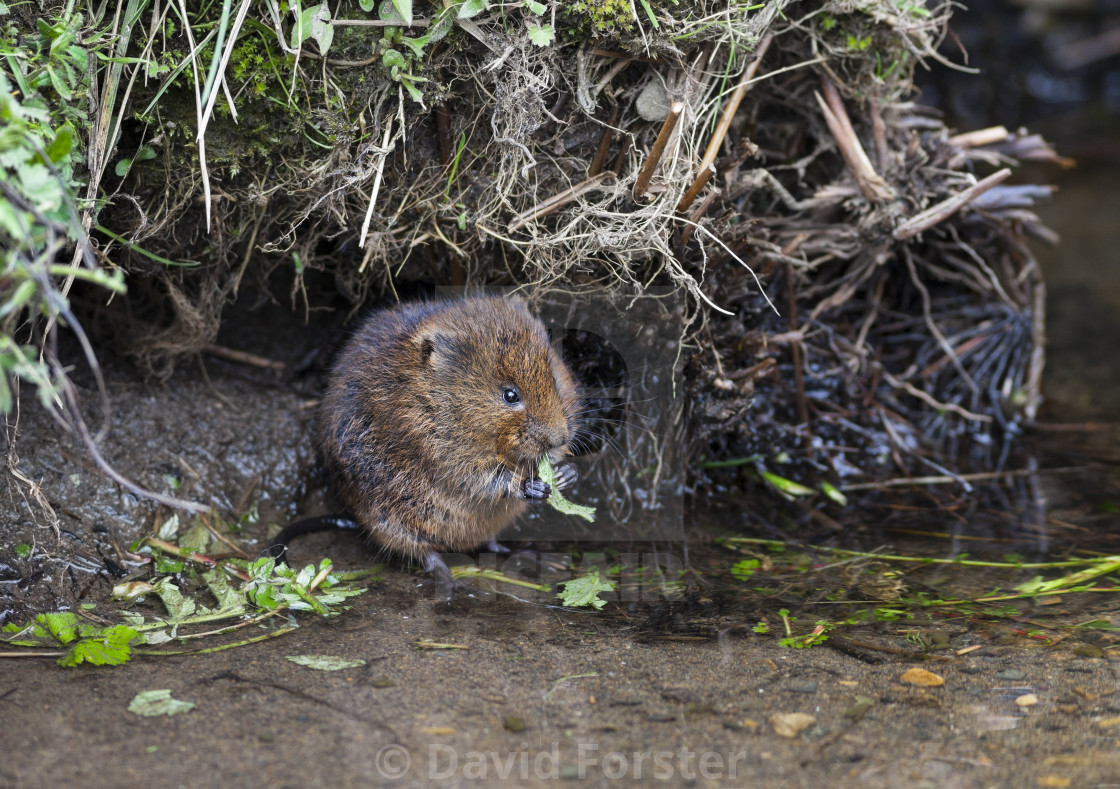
x=565, y=475
x=536, y=490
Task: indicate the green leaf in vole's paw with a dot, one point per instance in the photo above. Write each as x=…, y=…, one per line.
x=325, y=662
x=556, y=498
x=151, y=703
x=585, y=590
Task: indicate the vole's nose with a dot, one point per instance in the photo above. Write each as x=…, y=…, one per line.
x=548, y=438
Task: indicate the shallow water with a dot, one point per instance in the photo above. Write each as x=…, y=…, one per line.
x=647, y=684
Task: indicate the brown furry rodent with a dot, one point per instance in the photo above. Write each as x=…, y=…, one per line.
x=436, y=417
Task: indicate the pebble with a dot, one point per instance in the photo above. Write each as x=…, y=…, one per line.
x=919, y=676
x=790, y=724
x=1012, y=675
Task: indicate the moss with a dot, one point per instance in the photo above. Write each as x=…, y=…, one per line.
x=610, y=18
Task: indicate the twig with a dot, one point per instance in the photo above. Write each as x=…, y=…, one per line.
x=946, y=208
x=658, y=149
x=694, y=218
x=879, y=136
x=377, y=179
x=242, y=357
x=604, y=144
x=836, y=116
x=700, y=182
x=985, y=476
x=546, y=207
x=980, y=137
x=380, y=23
x=725, y=122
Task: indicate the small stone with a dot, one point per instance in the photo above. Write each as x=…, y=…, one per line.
x=1012, y=675
x=919, y=676
x=859, y=708
x=1027, y=700
x=383, y=682
x=653, y=102
x=514, y=723
x=790, y=724
x=1108, y=723
x=1088, y=650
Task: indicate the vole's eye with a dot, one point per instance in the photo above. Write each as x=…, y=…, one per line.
x=511, y=395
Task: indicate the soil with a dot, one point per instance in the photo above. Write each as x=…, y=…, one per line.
x=682, y=692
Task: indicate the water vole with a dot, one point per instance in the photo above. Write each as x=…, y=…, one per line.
x=435, y=419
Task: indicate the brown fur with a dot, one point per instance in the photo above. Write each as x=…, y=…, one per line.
x=415, y=430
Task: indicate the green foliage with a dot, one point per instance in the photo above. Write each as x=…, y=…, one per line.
x=556, y=498
x=745, y=569
x=273, y=586
x=541, y=35
x=110, y=646
x=43, y=87
x=584, y=591
x=402, y=55
x=314, y=22
x=270, y=589
x=85, y=641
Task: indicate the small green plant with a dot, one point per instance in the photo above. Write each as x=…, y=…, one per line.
x=584, y=591
x=263, y=589
x=746, y=568
x=84, y=641
x=402, y=55
x=818, y=636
